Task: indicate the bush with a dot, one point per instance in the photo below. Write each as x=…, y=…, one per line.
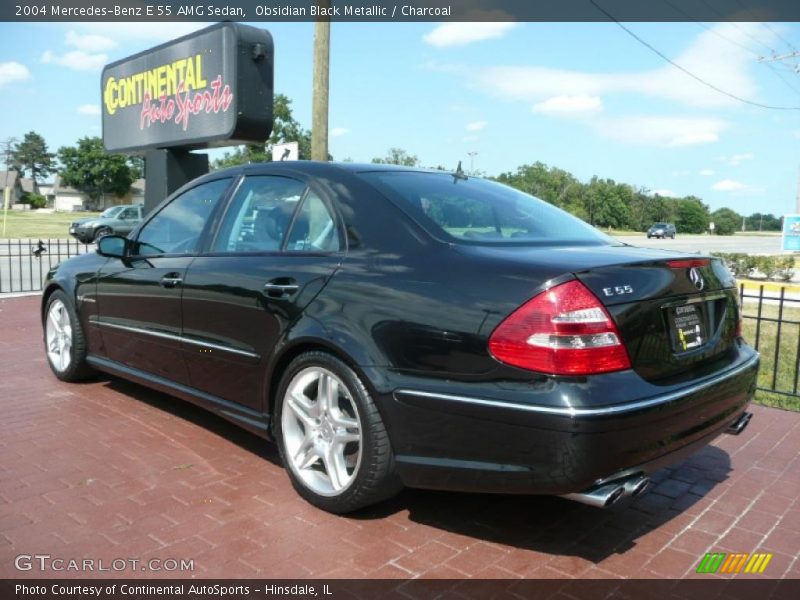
x=772, y=267
x=35, y=200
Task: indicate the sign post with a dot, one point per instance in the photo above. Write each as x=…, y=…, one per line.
x=208, y=89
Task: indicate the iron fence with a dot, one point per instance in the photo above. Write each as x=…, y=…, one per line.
x=24, y=263
x=771, y=322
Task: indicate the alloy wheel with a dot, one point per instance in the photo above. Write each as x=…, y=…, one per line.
x=321, y=430
x=58, y=331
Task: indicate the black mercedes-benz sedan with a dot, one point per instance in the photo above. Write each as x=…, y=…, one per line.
x=388, y=326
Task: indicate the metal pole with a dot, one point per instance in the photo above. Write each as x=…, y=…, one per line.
x=319, y=118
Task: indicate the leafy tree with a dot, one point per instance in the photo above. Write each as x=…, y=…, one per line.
x=726, y=221
x=691, y=215
x=31, y=156
x=398, y=156
x=90, y=169
x=763, y=222
x=284, y=129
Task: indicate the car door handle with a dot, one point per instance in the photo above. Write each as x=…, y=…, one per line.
x=171, y=280
x=281, y=287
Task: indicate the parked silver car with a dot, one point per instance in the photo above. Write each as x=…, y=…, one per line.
x=120, y=220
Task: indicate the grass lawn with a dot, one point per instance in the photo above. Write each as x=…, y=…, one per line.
x=785, y=364
x=752, y=286
x=36, y=225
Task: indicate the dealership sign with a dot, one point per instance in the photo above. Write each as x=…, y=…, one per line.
x=209, y=88
x=791, y=233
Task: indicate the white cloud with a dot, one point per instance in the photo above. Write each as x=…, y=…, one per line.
x=89, y=42
x=565, y=105
x=13, y=71
x=709, y=57
x=664, y=193
x=77, y=60
x=660, y=131
x=738, y=159
x=476, y=125
x=729, y=185
x=338, y=131
x=461, y=34
x=91, y=110
x=706, y=172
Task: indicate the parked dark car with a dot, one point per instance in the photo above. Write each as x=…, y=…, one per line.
x=388, y=326
x=661, y=230
x=120, y=219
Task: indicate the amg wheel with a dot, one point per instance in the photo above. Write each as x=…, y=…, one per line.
x=331, y=437
x=63, y=338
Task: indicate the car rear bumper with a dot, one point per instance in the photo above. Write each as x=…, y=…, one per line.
x=475, y=443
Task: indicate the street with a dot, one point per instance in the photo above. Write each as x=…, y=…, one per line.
x=703, y=244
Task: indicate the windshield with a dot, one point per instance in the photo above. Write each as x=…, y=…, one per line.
x=111, y=212
x=660, y=225
x=479, y=211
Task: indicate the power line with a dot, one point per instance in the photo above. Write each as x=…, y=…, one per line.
x=735, y=43
x=734, y=25
x=686, y=71
x=770, y=29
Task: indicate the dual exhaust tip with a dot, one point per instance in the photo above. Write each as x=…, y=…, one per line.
x=606, y=494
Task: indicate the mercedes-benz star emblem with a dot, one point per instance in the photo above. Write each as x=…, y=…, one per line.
x=696, y=278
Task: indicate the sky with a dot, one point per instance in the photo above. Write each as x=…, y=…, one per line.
x=584, y=97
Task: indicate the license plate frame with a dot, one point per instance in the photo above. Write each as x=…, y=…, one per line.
x=688, y=327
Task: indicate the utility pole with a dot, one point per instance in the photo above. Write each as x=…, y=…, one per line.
x=472, y=156
x=319, y=114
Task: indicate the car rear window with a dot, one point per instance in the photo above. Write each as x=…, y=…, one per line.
x=478, y=211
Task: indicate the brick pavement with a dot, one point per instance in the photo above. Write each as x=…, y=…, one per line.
x=108, y=469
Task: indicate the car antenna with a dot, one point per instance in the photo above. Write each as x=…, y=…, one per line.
x=459, y=174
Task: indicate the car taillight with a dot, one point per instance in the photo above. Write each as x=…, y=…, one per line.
x=562, y=331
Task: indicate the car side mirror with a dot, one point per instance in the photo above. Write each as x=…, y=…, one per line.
x=112, y=246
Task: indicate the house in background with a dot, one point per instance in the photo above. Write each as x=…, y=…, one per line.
x=10, y=179
x=65, y=198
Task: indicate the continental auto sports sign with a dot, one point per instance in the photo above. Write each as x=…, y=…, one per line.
x=210, y=88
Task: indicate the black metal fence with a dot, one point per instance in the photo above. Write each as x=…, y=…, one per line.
x=771, y=323
x=24, y=263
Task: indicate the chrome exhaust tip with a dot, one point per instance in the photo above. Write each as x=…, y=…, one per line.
x=604, y=495
x=740, y=424
x=636, y=486
x=600, y=497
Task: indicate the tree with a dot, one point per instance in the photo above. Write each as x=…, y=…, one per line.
x=691, y=215
x=398, y=156
x=284, y=129
x=31, y=156
x=726, y=221
x=90, y=169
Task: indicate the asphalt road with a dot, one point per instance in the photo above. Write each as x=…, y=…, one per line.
x=703, y=244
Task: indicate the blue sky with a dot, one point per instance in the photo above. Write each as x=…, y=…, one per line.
x=584, y=97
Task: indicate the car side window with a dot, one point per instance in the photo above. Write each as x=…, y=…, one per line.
x=177, y=227
x=314, y=229
x=128, y=213
x=260, y=215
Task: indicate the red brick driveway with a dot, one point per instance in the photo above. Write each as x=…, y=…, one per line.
x=110, y=470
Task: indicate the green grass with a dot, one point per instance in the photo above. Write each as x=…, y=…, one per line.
x=786, y=363
x=36, y=225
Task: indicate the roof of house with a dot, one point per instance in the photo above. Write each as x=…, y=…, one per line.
x=28, y=185
x=8, y=178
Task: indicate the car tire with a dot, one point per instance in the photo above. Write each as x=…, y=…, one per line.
x=331, y=437
x=64, y=342
x=101, y=232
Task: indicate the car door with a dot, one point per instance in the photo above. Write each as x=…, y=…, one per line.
x=277, y=245
x=127, y=220
x=139, y=297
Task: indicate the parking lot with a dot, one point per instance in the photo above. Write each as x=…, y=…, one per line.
x=108, y=469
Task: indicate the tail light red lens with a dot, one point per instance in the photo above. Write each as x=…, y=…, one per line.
x=688, y=263
x=563, y=331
